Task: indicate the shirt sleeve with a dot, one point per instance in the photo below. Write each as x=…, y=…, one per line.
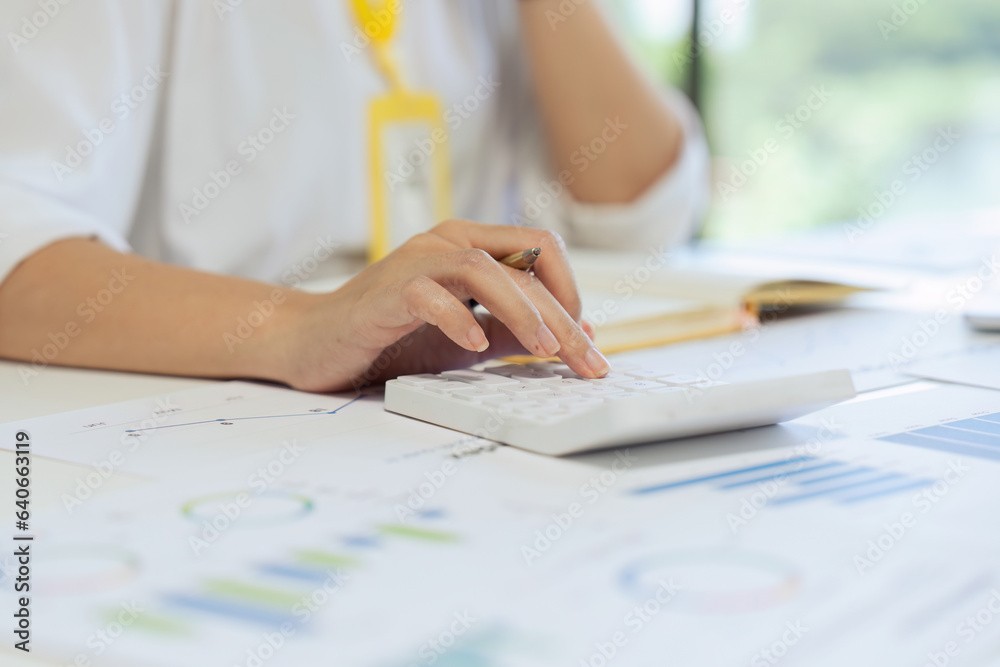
x=81, y=83
x=668, y=213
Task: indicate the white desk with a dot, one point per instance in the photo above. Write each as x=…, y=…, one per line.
x=58, y=389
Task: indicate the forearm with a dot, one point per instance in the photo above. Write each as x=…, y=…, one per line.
x=80, y=303
x=583, y=79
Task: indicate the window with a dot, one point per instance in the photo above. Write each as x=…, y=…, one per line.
x=820, y=112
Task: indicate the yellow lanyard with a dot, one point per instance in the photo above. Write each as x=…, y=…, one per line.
x=380, y=26
x=396, y=214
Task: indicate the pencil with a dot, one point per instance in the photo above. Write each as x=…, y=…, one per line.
x=522, y=261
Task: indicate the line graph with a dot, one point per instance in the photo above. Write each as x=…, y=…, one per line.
x=235, y=419
x=157, y=436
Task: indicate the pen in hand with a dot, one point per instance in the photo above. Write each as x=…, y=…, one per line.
x=522, y=261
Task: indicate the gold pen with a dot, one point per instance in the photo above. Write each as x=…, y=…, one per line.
x=522, y=261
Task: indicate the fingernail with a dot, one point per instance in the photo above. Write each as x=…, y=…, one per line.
x=477, y=339
x=596, y=362
x=547, y=341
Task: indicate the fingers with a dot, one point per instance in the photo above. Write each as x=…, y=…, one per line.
x=576, y=347
x=472, y=273
x=457, y=261
x=552, y=267
x=429, y=302
x=523, y=304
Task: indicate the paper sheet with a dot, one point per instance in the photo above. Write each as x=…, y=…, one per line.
x=410, y=544
x=979, y=367
x=161, y=436
x=875, y=346
x=516, y=560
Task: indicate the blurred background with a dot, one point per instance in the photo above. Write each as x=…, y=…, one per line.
x=884, y=79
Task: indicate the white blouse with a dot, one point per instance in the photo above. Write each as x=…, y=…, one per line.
x=229, y=136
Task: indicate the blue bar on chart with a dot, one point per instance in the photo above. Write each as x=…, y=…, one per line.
x=978, y=437
x=231, y=609
x=804, y=478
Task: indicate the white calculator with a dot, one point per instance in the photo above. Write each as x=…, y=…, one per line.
x=547, y=408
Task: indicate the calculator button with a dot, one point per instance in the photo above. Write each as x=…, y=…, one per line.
x=596, y=390
x=534, y=376
x=481, y=392
x=523, y=388
x=449, y=387
x=680, y=380
x=565, y=383
x=506, y=370
x=563, y=370
x=419, y=380
x=611, y=378
x=640, y=385
x=644, y=374
x=478, y=377
x=623, y=396
x=668, y=390
x=550, y=395
x=620, y=366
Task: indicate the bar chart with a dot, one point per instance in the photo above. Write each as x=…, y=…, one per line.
x=800, y=479
x=978, y=437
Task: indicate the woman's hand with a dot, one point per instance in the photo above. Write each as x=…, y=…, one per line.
x=376, y=326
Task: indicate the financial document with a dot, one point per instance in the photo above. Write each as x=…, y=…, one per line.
x=280, y=528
